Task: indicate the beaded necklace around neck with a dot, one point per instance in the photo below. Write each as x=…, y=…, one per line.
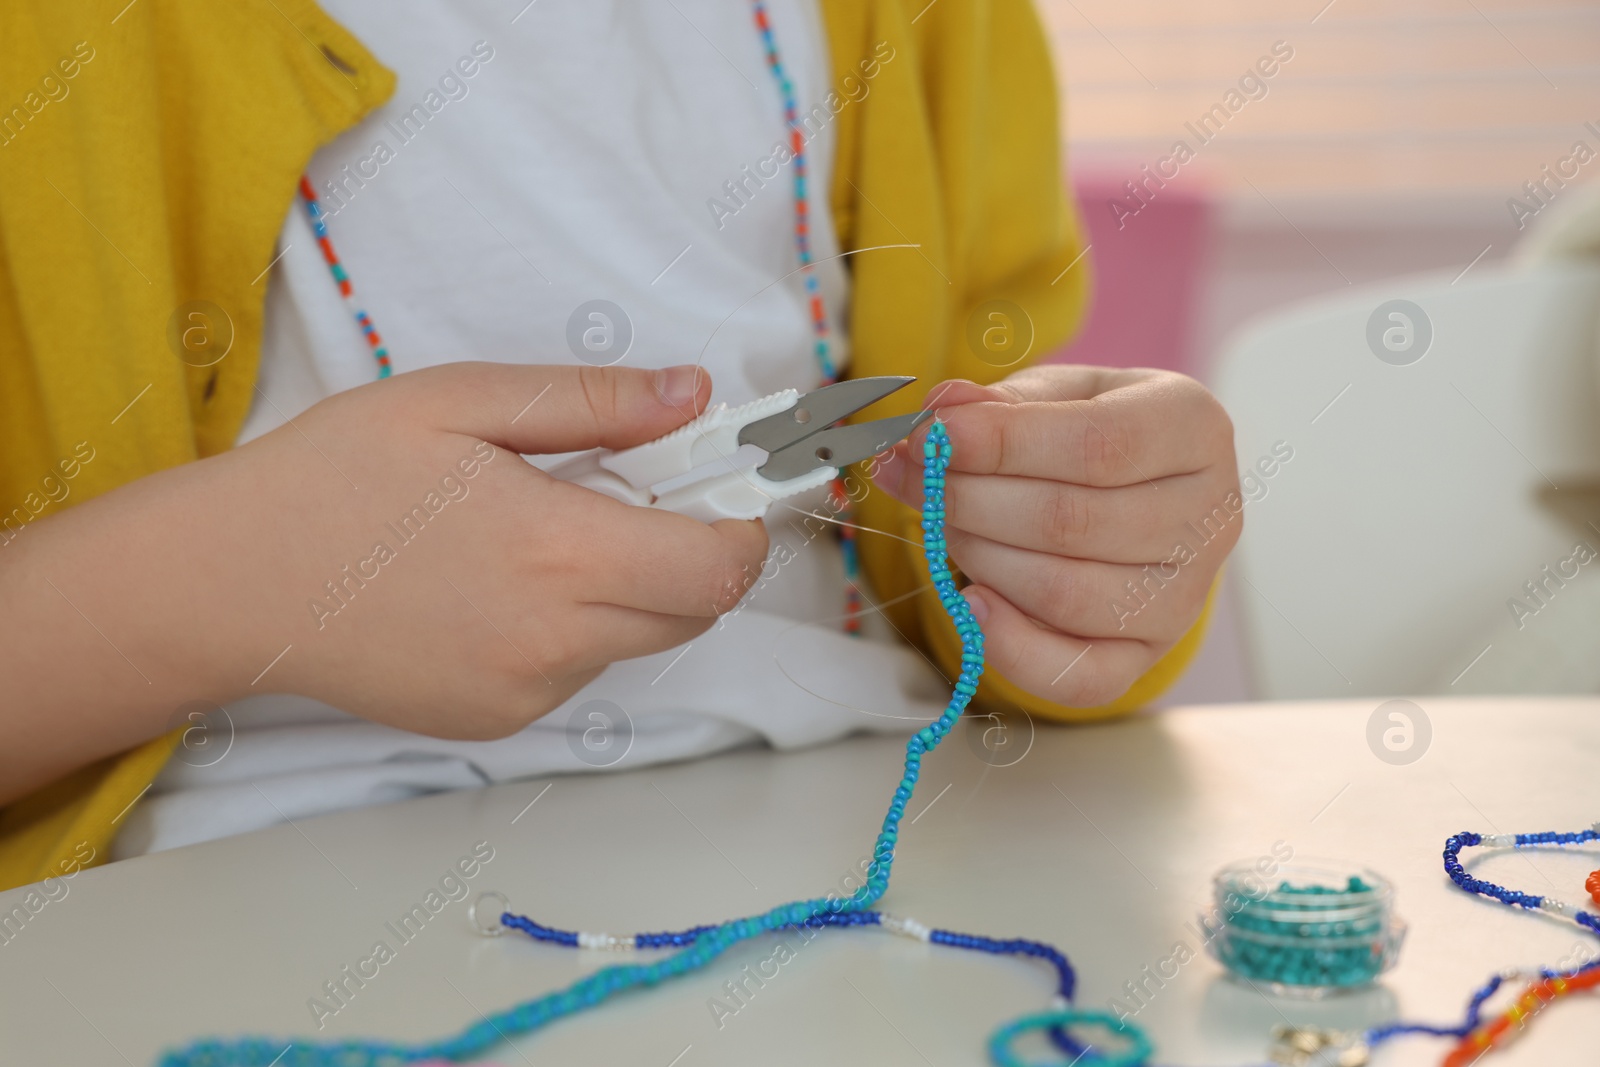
x=821, y=344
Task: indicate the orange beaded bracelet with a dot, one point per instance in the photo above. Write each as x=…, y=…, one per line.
x=1533, y=1000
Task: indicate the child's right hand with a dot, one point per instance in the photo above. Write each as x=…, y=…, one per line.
x=497, y=591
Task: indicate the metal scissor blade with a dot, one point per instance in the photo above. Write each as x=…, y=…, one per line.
x=819, y=409
x=840, y=446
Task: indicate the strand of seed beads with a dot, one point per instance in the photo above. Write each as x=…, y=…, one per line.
x=839, y=499
x=1533, y=1000
x=1551, y=984
x=1066, y=979
x=608, y=982
x=802, y=215
x=341, y=277
x=1511, y=897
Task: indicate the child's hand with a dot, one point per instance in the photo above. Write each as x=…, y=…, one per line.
x=520, y=589
x=388, y=552
x=1067, y=484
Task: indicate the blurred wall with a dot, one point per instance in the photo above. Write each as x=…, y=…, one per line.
x=1230, y=159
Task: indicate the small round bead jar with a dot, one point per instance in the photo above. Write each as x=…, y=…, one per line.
x=1308, y=931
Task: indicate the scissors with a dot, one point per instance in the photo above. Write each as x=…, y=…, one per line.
x=691, y=470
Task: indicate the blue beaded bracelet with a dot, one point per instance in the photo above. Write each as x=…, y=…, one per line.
x=1137, y=1051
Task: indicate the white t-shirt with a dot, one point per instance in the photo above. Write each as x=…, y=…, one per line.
x=533, y=160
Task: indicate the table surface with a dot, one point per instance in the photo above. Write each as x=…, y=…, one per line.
x=1101, y=840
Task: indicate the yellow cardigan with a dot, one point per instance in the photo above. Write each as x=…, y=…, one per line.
x=148, y=159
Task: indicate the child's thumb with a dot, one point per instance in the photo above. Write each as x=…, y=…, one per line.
x=544, y=409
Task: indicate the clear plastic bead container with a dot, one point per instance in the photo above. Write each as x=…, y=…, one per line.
x=1311, y=930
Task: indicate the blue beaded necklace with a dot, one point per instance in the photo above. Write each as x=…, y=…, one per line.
x=698, y=946
x=821, y=346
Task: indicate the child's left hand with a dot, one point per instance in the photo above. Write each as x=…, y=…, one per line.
x=1076, y=504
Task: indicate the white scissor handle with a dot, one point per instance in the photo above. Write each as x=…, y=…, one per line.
x=742, y=494
x=631, y=474
x=711, y=437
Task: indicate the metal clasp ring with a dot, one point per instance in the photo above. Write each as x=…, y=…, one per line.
x=472, y=914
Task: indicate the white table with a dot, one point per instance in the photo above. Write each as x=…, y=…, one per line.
x=1101, y=840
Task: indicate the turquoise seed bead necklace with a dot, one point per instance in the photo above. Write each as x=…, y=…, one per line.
x=701, y=945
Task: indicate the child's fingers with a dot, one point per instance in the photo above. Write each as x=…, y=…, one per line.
x=1088, y=598
x=1127, y=524
x=665, y=563
x=1152, y=426
x=1066, y=670
x=546, y=409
